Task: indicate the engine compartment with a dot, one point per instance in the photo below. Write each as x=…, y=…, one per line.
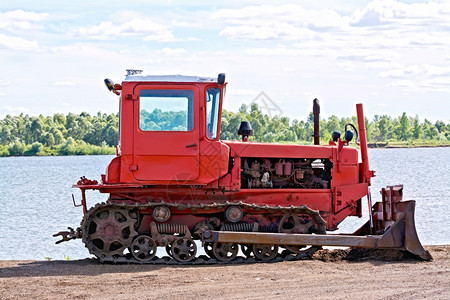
x=282, y=173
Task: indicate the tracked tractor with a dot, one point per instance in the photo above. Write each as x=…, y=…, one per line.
x=174, y=185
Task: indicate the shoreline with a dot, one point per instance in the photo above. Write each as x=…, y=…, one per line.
x=387, y=146
x=369, y=146
x=326, y=276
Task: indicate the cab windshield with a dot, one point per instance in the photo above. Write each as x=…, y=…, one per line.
x=212, y=112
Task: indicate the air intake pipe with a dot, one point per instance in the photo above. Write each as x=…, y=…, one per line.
x=365, y=172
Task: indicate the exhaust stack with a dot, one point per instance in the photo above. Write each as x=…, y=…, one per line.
x=316, y=113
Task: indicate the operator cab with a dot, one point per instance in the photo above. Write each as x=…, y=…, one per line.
x=169, y=129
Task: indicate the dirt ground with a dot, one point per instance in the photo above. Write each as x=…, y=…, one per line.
x=329, y=275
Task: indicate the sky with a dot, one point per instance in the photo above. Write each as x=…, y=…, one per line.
x=392, y=56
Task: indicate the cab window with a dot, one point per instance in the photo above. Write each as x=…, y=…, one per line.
x=166, y=110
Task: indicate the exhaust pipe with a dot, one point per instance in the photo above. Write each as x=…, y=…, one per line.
x=316, y=113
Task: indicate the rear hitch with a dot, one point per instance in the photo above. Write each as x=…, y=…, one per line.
x=74, y=204
x=68, y=235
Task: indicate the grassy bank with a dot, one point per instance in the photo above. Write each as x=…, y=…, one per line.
x=82, y=148
x=408, y=144
x=69, y=147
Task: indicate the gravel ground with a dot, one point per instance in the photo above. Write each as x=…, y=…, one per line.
x=337, y=274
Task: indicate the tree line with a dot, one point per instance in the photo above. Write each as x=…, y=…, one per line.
x=381, y=130
x=59, y=134
x=74, y=134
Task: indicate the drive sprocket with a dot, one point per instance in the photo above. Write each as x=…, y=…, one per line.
x=108, y=231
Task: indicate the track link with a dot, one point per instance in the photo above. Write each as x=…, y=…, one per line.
x=203, y=259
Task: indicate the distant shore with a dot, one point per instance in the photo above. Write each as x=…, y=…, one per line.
x=404, y=145
x=377, y=145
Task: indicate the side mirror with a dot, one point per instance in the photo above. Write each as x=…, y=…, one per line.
x=109, y=84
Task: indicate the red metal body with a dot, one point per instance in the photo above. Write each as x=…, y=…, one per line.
x=174, y=181
x=188, y=167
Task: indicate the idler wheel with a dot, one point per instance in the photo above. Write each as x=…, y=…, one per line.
x=143, y=248
x=234, y=214
x=291, y=223
x=184, y=249
x=225, y=251
x=265, y=252
x=304, y=224
x=161, y=213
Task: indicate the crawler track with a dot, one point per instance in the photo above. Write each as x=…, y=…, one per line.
x=121, y=217
x=205, y=260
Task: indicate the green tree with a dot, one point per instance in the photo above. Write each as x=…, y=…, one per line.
x=35, y=148
x=404, y=129
x=48, y=139
x=417, y=128
x=17, y=148
x=430, y=131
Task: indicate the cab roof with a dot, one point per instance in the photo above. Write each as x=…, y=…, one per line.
x=167, y=78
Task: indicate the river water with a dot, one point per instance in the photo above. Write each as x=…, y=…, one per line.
x=35, y=198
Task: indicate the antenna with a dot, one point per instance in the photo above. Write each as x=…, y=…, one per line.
x=133, y=72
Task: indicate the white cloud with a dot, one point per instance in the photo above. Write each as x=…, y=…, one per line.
x=285, y=22
x=289, y=13
x=425, y=78
x=64, y=83
x=16, y=109
x=386, y=39
x=401, y=48
x=381, y=24
x=273, y=51
x=441, y=84
x=69, y=105
x=402, y=83
x=267, y=31
x=440, y=81
x=194, y=39
x=20, y=15
x=381, y=12
x=185, y=24
x=15, y=25
x=17, y=43
x=22, y=20
x=248, y=92
x=172, y=51
x=149, y=30
x=84, y=51
x=289, y=69
x=421, y=71
x=4, y=82
x=369, y=55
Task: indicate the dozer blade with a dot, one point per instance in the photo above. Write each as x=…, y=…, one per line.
x=401, y=235
x=398, y=233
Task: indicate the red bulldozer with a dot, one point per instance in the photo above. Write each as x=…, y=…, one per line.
x=174, y=184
